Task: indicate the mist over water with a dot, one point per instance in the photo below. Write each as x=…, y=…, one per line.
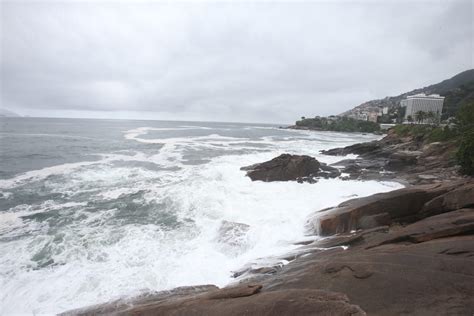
x=93, y=210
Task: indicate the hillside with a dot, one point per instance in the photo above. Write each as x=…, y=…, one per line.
x=457, y=90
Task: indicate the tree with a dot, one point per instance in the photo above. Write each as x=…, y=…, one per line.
x=410, y=118
x=420, y=116
x=303, y=118
x=465, y=116
x=465, y=154
x=430, y=117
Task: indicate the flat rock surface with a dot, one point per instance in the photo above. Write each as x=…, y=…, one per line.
x=430, y=278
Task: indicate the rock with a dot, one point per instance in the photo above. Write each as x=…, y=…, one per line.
x=120, y=306
x=407, y=157
x=370, y=221
x=454, y=223
x=288, y=167
x=286, y=302
x=459, y=198
x=348, y=239
x=401, y=159
x=403, y=205
x=328, y=171
x=236, y=291
x=423, y=268
x=246, y=300
x=357, y=149
x=428, y=278
x=427, y=176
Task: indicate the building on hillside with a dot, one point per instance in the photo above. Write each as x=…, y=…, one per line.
x=372, y=116
x=422, y=102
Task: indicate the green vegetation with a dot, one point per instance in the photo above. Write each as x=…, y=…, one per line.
x=456, y=98
x=462, y=133
x=338, y=124
x=465, y=154
x=427, y=133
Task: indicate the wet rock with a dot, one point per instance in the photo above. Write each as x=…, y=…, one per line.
x=424, y=266
x=403, y=205
x=328, y=172
x=349, y=239
x=358, y=271
x=428, y=278
x=245, y=299
x=410, y=158
x=236, y=291
x=455, y=223
x=401, y=159
x=120, y=306
x=357, y=149
x=288, y=167
x=458, y=198
x=370, y=221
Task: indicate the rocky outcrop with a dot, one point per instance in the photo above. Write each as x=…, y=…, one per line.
x=416, y=263
x=240, y=300
x=428, y=278
x=458, y=198
x=399, y=206
x=455, y=223
x=288, y=167
x=411, y=158
x=409, y=251
x=404, y=252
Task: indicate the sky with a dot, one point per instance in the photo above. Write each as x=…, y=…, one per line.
x=260, y=61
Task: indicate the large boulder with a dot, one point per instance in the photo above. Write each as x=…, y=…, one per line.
x=288, y=167
x=452, y=200
x=403, y=206
x=358, y=149
x=455, y=223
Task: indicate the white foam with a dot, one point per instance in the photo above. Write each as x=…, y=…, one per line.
x=96, y=260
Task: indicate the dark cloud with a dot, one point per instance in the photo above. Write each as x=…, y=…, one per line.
x=262, y=61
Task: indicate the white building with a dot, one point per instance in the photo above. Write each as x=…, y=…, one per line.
x=422, y=102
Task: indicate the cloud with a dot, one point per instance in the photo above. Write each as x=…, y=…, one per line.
x=261, y=61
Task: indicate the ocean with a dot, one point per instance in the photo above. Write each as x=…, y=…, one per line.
x=96, y=210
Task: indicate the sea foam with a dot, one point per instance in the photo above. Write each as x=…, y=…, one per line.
x=121, y=230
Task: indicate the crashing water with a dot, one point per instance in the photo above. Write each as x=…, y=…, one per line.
x=93, y=210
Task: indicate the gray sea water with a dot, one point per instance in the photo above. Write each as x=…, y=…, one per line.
x=94, y=210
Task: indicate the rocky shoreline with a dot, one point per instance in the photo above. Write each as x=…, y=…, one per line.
x=409, y=159
x=409, y=251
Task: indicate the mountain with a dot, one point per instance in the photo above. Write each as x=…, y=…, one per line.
x=457, y=90
x=7, y=113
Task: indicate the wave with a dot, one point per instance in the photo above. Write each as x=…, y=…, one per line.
x=117, y=227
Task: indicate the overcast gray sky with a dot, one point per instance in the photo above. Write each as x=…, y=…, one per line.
x=222, y=61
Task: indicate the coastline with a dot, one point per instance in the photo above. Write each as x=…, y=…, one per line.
x=374, y=255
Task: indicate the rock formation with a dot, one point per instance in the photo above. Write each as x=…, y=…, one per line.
x=409, y=158
x=404, y=252
x=288, y=167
